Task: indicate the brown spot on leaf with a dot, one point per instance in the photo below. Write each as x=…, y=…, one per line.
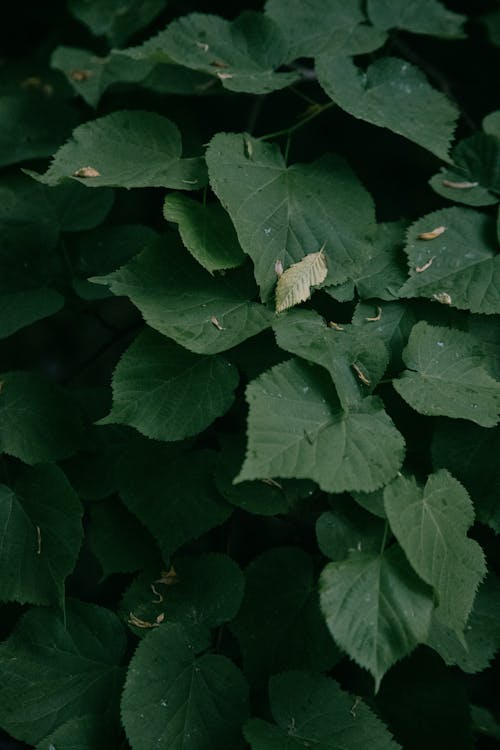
x=432, y=234
x=86, y=172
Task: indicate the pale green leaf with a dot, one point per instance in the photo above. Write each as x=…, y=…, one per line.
x=41, y=531
x=482, y=632
x=117, y=20
x=294, y=284
x=331, y=26
x=311, y=710
x=167, y=392
x=395, y=614
x=419, y=16
x=39, y=421
x=279, y=624
x=466, y=452
x=55, y=670
x=206, y=231
x=297, y=428
x=180, y=299
x=355, y=357
x=475, y=172
x=243, y=54
x=283, y=213
x=431, y=525
x=174, y=698
x=446, y=376
x=90, y=75
x=392, y=94
x=171, y=492
x=130, y=149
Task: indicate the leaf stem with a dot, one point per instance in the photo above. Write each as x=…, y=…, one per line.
x=384, y=538
x=314, y=111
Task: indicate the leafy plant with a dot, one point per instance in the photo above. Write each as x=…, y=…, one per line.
x=250, y=384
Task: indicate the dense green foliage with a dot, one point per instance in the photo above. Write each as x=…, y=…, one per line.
x=250, y=389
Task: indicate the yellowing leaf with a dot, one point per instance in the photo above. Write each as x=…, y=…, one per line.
x=294, y=284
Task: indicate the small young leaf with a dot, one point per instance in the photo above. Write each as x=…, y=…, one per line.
x=167, y=392
x=55, y=670
x=128, y=149
x=294, y=284
x=173, y=696
x=396, y=611
x=431, y=526
x=297, y=428
x=41, y=531
x=311, y=710
x=446, y=376
x=391, y=94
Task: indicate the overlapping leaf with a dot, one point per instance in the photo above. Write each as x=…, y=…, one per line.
x=396, y=608
x=295, y=284
x=243, y=54
x=206, y=231
x=183, y=301
x=115, y=19
x=284, y=213
x=311, y=710
x=446, y=376
x=297, y=428
x=279, y=624
x=392, y=94
x=41, y=532
x=167, y=392
x=343, y=29
x=475, y=172
x=173, y=696
x=128, y=149
x=354, y=356
x=420, y=16
x=347, y=528
x=55, y=670
x=431, y=525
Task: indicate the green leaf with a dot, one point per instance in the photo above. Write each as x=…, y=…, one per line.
x=482, y=632
x=431, y=526
x=102, y=251
x=40, y=525
x=447, y=377
x=32, y=126
x=347, y=528
x=206, y=231
x=331, y=26
x=117, y=539
x=491, y=21
x=294, y=285
x=475, y=171
x=355, y=357
x=115, y=19
x=243, y=54
x=78, y=209
x=297, y=428
x=167, y=392
x=207, y=591
x=466, y=451
x=126, y=149
x=173, y=698
x=484, y=722
x=391, y=94
x=384, y=271
x=420, y=17
x=312, y=711
x=491, y=123
x=172, y=493
x=279, y=624
x=90, y=732
x=184, y=302
x=54, y=671
x=90, y=75
x=39, y=421
x=392, y=322
x=284, y=213
x=396, y=608
x=464, y=264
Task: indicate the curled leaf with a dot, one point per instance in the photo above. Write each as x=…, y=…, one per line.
x=432, y=234
x=86, y=172
x=421, y=269
x=459, y=185
x=294, y=285
x=442, y=297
